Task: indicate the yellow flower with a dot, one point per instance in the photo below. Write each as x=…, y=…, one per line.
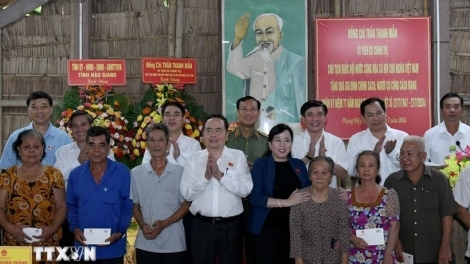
x=134, y=142
x=159, y=95
x=157, y=118
x=196, y=133
x=106, y=123
x=94, y=106
x=139, y=118
x=136, y=152
x=160, y=102
x=160, y=87
x=117, y=114
x=143, y=145
x=153, y=113
x=188, y=126
x=106, y=106
x=110, y=111
x=80, y=107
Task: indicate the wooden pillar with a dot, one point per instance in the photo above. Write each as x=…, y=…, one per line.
x=81, y=30
x=179, y=29
x=171, y=27
x=440, y=12
x=337, y=8
x=426, y=7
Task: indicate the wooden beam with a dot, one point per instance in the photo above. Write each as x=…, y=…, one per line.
x=12, y=103
x=19, y=10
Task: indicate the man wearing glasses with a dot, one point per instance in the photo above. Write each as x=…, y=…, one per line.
x=378, y=137
x=426, y=206
x=450, y=132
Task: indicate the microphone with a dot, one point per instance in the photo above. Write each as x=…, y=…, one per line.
x=460, y=147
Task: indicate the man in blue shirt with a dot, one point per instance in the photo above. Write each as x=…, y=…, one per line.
x=98, y=197
x=40, y=111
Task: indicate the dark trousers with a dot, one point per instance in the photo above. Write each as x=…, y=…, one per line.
x=188, y=223
x=119, y=260
x=272, y=246
x=212, y=241
x=146, y=257
x=248, y=246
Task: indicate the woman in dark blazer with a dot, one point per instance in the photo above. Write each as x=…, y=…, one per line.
x=277, y=177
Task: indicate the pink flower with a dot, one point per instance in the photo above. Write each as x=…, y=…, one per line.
x=87, y=104
x=179, y=86
x=362, y=220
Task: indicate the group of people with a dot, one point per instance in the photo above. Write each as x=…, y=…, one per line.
x=263, y=198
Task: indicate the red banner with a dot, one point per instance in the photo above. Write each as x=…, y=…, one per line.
x=167, y=70
x=389, y=58
x=96, y=72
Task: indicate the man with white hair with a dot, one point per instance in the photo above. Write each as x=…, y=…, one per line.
x=274, y=75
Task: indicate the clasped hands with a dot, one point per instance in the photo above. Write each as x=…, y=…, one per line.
x=321, y=150
x=212, y=170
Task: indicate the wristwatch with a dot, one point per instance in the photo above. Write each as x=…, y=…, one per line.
x=308, y=157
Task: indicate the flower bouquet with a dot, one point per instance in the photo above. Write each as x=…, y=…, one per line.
x=127, y=122
x=148, y=110
x=455, y=163
x=105, y=107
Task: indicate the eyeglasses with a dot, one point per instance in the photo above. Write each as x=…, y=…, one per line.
x=407, y=155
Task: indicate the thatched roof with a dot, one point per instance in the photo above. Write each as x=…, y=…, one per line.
x=4, y=3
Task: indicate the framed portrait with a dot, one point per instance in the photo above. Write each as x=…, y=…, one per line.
x=264, y=53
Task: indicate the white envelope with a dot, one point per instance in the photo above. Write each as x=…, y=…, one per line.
x=407, y=258
x=31, y=231
x=97, y=236
x=373, y=236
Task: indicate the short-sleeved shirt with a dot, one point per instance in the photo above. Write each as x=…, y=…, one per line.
x=31, y=203
x=159, y=198
x=422, y=207
x=254, y=146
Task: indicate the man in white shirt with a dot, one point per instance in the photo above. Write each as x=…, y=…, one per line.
x=181, y=146
x=215, y=180
x=74, y=154
x=378, y=137
x=315, y=141
x=441, y=137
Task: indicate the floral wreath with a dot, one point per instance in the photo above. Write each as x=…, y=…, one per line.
x=127, y=122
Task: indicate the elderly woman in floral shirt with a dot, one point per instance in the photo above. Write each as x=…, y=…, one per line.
x=372, y=206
